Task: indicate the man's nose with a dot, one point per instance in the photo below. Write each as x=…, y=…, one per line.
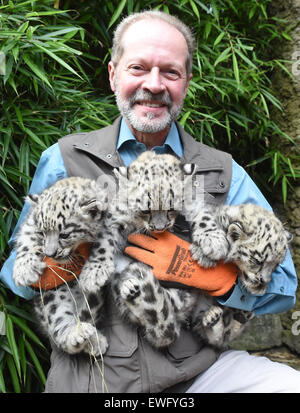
x=154, y=82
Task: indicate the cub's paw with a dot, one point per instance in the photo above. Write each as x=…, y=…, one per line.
x=27, y=272
x=212, y=316
x=85, y=337
x=92, y=278
x=130, y=289
x=209, y=248
x=202, y=259
x=97, y=344
x=214, y=329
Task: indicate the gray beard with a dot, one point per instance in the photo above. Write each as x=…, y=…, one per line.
x=127, y=111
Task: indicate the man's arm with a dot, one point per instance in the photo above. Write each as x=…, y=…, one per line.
x=49, y=170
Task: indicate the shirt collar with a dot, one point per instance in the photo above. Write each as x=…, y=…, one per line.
x=172, y=140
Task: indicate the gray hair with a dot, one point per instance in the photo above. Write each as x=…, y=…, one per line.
x=117, y=47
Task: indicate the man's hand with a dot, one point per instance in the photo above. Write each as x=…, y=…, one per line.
x=171, y=260
x=56, y=274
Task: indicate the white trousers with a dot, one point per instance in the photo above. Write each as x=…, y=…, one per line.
x=239, y=372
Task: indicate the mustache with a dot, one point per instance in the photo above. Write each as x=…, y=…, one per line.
x=162, y=97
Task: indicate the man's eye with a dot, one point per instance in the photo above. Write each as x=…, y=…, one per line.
x=172, y=74
x=136, y=69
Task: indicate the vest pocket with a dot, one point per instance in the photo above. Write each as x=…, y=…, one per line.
x=120, y=370
x=122, y=340
x=185, y=346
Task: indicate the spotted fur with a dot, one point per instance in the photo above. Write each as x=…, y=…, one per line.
x=247, y=234
x=65, y=215
x=257, y=242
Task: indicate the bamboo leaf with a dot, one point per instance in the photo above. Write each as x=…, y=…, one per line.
x=57, y=33
x=284, y=188
x=12, y=343
x=195, y=9
x=275, y=163
x=291, y=168
x=27, y=330
x=36, y=362
x=265, y=106
x=223, y=56
x=21, y=347
x=219, y=38
x=13, y=374
x=246, y=59
x=35, y=138
x=38, y=71
x=19, y=116
x=184, y=118
x=117, y=13
x=287, y=36
x=46, y=13
x=58, y=59
x=19, y=312
x=228, y=128
x=236, y=69
x=2, y=381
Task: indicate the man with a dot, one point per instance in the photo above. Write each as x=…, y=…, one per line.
x=150, y=73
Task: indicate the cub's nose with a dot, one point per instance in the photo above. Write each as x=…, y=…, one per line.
x=51, y=244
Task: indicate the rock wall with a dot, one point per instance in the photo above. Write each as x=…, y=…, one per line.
x=288, y=92
x=269, y=331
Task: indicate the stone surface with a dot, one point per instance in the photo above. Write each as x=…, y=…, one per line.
x=280, y=354
x=279, y=328
x=263, y=332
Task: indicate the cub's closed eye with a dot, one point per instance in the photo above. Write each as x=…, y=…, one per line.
x=64, y=235
x=145, y=211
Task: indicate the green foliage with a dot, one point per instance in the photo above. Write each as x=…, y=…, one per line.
x=23, y=356
x=54, y=82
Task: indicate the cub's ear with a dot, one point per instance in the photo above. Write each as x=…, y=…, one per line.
x=188, y=168
x=289, y=236
x=121, y=172
x=91, y=207
x=32, y=198
x=236, y=232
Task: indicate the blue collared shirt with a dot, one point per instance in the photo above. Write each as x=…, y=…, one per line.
x=129, y=148
x=280, y=295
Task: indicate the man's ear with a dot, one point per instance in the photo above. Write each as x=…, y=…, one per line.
x=112, y=74
x=187, y=84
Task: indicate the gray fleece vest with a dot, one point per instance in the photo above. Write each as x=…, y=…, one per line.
x=130, y=364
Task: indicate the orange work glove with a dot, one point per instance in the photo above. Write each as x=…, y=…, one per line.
x=171, y=260
x=56, y=273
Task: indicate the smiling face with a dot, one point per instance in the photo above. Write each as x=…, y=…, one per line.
x=150, y=80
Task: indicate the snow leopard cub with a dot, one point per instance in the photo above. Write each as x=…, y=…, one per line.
x=257, y=244
x=61, y=218
x=149, y=200
x=152, y=191
x=161, y=312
